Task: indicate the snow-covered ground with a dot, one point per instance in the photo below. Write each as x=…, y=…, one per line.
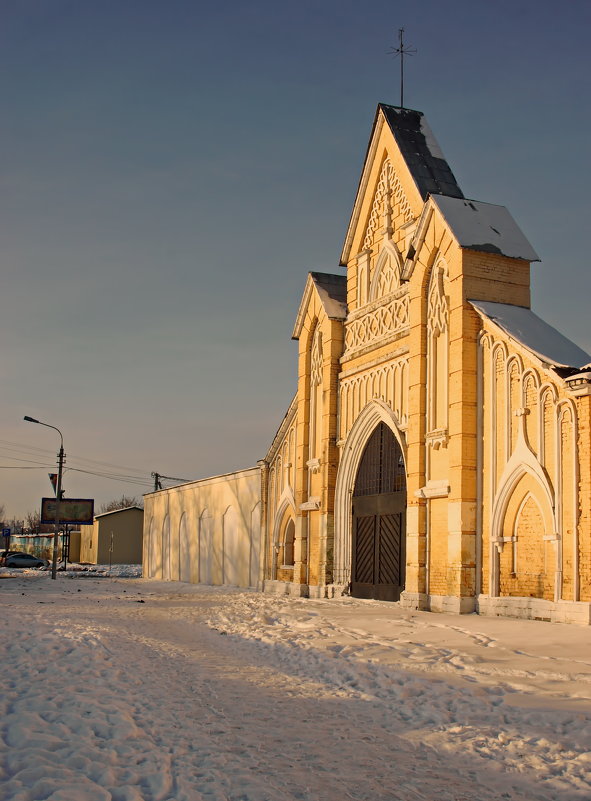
x=129, y=689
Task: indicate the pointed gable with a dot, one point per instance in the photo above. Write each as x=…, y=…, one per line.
x=403, y=165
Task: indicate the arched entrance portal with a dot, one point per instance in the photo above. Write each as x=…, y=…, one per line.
x=379, y=514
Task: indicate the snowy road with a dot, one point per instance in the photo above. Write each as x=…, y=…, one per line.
x=136, y=690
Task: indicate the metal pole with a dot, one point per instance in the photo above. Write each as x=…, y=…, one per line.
x=65, y=546
x=401, y=32
x=60, y=462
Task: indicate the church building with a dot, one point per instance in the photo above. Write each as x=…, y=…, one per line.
x=437, y=452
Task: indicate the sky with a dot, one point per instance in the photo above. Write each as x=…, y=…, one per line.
x=171, y=171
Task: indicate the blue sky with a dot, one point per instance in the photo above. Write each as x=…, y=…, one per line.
x=172, y=170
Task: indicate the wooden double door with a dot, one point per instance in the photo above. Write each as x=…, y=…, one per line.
x=379, y=515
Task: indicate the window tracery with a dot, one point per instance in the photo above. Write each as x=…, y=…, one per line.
x=315, y=395
x=386, y=278
x=389, y=194
x=437, y=350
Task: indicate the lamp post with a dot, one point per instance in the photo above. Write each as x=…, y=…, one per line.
x=60, y=462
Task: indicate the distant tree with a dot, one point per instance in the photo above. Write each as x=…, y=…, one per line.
x=121, y=503
x=2, y=513
x=15, y=524
x=34, y=525
x=33, y=520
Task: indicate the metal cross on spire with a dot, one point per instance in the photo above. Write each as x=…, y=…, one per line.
x=402, y=51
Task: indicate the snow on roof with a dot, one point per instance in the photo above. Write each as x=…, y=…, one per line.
x=332, y=291
x=485, y=227
x=333, y=294
x=421, y=151
x=533, y=333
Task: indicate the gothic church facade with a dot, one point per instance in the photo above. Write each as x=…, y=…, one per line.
x=437, y=451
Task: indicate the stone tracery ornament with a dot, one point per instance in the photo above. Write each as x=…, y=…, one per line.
x=377, y=321
x=386, y=277
x=389, y=193
x=315, y=392
x=437, y=351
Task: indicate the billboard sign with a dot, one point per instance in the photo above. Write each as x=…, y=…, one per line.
x=72, y=510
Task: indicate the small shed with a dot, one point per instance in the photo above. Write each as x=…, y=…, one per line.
x=121, y=530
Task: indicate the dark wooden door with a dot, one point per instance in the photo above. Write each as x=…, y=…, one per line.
x=379, y=514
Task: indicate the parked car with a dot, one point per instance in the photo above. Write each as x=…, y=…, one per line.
x=5, y=554
x=24, y=560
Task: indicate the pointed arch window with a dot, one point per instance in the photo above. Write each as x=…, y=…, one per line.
x=386, y=278
x=315, y=396
x=438, y=349
x=288, y=543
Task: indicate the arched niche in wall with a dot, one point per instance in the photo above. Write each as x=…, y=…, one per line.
x=205, y=548
x=386, y=274
x=184, y=549
x=255, y=545
x=166, y=548
x=230, y=557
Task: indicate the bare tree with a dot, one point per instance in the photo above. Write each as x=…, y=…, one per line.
x=34, y=524
x=123, y=502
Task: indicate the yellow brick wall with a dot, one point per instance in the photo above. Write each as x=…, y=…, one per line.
x=513, y=380
x=438, y=553
x=527, y=565
x=584, y=495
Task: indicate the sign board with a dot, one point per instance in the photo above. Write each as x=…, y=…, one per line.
x=6, y=532
x=72, y=510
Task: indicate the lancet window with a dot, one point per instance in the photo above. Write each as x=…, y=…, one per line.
x=437, y=348
x=386, y=278
x=315, y=396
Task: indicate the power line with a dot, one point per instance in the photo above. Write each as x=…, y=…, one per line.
x=123, y=479
x=18, y=467
x=72, y=458
x=136, y=476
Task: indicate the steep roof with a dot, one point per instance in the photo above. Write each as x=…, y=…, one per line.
x=533, y=333
x=422, y=154
x=332, y=291
x=485, y=227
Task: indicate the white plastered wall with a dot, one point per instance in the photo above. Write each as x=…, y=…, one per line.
x=206, y=531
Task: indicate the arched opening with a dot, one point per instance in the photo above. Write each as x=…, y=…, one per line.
x=184, y=550
x=166, y=549
x=379, y=514
x=288, y=544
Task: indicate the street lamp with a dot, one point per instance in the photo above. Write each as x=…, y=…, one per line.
x=60, y=461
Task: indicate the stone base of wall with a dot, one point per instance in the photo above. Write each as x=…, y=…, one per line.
x=451, y=604
x=437, y=603
x=536, y=609
x=328, y=590
x=336, y=590
x=414, y=600
x=287, y=588
x=523, y=608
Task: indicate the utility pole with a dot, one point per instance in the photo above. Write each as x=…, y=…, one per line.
x=158, y=482
x=60, y=462
x=61, y=457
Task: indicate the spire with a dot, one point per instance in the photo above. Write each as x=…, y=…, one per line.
x=402, y=51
